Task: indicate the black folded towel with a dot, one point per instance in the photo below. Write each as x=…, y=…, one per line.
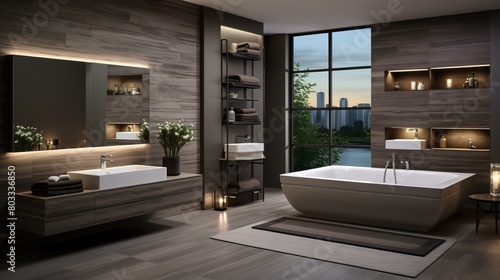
x=62, y=183
x=244, y=110
x=248, y=115
x=40, y=187
x=57, y=192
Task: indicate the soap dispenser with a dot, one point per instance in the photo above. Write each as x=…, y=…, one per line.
x=442, y=141
x=231, y=115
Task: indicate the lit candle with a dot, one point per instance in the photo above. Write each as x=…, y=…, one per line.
x=449, y=83
x=413, y=85
x=495, y=181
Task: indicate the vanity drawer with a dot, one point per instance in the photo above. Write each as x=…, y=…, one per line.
x=125, y=195
x=124, y=211
x=54, y=206
x=55, y=225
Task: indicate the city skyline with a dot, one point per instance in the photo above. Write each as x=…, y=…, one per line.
x=354, y=118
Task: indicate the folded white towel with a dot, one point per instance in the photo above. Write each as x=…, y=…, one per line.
x=53, y=179
x=64, y=177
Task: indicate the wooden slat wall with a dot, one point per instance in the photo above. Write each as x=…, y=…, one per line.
x=163, y=35
x=444, y=41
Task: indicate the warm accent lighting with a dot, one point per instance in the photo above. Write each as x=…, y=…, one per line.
x=408, y=70
x=461, y=66
x=495, y=179
x=80, y=59
x=220, y=200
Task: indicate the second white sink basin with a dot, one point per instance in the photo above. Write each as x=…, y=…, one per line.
x=120, y=176
x=244, y=147
x=406, y=144
x=244, y=151
x=127, y=135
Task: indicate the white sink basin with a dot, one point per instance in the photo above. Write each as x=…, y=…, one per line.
x=120, y=176
x=406, y=144
x=244, y=147
x=127, y=135
x=243, y=151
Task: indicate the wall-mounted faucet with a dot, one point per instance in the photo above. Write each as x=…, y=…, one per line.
x=406, y=163
x=392, y=162
x=246, y=137
x=104, y=159
x=414, y=130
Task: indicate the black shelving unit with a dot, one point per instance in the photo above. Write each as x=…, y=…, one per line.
x=231, y=167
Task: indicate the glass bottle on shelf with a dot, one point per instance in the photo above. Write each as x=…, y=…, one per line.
x=231, y=115
x=442, y=141
x=475, y=83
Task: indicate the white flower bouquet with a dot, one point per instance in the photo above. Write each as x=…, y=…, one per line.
x=26, y=138
x=144, y=132
x=173, y=136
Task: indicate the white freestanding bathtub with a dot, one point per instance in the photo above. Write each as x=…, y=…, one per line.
x=419, y=201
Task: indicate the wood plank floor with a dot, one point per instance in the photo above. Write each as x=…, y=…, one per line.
x=179, y=247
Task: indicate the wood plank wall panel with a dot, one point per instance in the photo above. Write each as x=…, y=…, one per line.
x=442, y=41
x=163, y=35
x=463, y=40
x=462, y=108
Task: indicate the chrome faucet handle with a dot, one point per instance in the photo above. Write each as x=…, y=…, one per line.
x=104, y=156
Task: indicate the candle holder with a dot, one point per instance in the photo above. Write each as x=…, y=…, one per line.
x=449, y=83
x=495, y=179
x=220, y=200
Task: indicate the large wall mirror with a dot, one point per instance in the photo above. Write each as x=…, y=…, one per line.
x=74, y=104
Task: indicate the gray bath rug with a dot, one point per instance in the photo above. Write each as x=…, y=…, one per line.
x=339, y=252
x=347, y=234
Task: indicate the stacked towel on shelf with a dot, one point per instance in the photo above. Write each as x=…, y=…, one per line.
x=62, y=186
x=251, y=184
x=247, y=115
x=243, y=79
x=250, y=49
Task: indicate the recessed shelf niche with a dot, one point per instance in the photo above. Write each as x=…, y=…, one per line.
x=437, y=78
x=458, y=138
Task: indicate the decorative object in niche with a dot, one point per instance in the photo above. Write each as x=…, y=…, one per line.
x=449, y=84
x=442, y=141
x=70, y=101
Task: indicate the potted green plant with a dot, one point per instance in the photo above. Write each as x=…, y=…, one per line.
x=172, y=137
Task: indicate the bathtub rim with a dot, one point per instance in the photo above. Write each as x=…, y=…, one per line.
x=463, y=181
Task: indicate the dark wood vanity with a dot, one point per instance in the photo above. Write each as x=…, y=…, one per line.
x=56, y=214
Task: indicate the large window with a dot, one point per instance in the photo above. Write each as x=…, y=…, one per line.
x=331, y=95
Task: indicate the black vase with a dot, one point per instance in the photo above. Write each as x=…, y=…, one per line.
x=173, y=165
